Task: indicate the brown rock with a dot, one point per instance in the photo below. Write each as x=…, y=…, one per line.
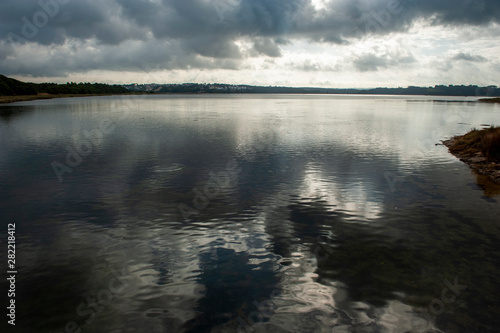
x=477, y=159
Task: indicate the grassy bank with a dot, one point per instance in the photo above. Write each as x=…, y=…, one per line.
x=480, y=149
x=485, y=143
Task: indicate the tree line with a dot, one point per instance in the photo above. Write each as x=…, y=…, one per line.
x=13, y=87
x=218, y=88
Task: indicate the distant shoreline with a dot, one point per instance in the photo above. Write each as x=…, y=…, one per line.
x=14, y=90
x=490, y=100
x=24, y=98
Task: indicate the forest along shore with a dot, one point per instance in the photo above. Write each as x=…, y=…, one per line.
x=22, y=98
x=480, y=149
x=12, y=90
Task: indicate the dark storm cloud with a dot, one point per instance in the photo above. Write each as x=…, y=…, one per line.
x=267, y=47
x=209, y=29
x=52, y=22
x=113, y=21
x=461, y=12
x=135, y=56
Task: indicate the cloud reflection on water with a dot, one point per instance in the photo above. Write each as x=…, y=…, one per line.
x=311, y=216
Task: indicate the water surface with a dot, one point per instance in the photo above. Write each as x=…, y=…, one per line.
x=265, y=213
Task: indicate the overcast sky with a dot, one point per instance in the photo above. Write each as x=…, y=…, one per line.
x=330, y=43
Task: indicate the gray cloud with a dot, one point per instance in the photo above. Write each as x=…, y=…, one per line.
x=139, y=56
x=211, y=46
x=267, y=47
x=313, y=66
x=113, y=21
x=369, y=62
x=49, y=22
x=469, y=57
x=209, y=29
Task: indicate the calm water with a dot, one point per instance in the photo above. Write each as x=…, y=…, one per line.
x=256, y=213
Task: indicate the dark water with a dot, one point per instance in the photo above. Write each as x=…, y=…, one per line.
x=248, y=213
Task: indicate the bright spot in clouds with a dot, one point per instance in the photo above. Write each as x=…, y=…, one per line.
x=330, y=43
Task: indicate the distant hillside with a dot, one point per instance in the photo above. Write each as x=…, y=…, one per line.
x=218, y=88
x=13, y=87
x=80, y=88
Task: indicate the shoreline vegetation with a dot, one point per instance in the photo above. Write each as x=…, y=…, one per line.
x=12, y=90
x=480, y=150
x=489, y=100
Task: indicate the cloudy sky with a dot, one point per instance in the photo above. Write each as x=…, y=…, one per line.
x=329, y=43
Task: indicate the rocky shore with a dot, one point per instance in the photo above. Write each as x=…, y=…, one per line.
x=474, y=158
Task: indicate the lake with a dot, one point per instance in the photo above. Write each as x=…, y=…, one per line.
x=248, y=213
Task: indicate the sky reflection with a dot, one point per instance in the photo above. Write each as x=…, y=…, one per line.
x=310, y=234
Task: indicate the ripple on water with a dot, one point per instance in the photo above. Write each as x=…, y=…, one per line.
x=311, y=205
x=175, y=167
